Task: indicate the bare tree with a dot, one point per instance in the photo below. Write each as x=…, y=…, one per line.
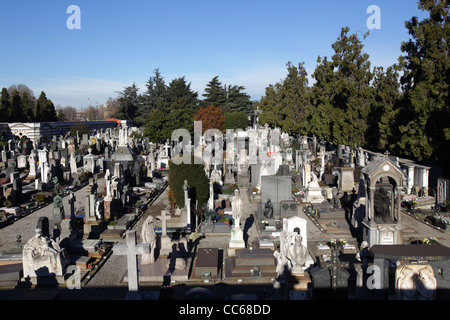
x=70, y=113
x=111, y=107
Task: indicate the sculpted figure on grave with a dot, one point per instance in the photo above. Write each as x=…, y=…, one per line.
x=406, y=285
x=236, y=206
x=41, y=252
x=427, y=285
x=148, y=236
x=57, y=202
x=297, y=254
x=382, y=204
x=268, y=209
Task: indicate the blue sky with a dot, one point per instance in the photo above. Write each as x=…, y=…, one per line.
x=245, y=43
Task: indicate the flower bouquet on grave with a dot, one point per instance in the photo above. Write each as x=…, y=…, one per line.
x=410, y=202
x=429, y=241
x=337, y=244
x=333, y=243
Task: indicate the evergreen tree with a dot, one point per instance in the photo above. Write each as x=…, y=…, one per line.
x=285, y=104
x=154, y=97
x=236, y=120
x=343, y=92
x=41, y=105
x=157, y=126
x=5, y=104
x=175, y=111
x=27, y=110
x=49, y=112
x=130, y=102
x=183, y=104
x=322, y=112
x=215, y=94
x=352, y=90
x=424, y=120
x=196, y=178
x=16, y=110
x=236, y=100
x=382, y=131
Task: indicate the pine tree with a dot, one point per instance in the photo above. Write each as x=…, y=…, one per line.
x=49, y=112
x=130, y=102
x=16, y=111
x=26, y=107
x=382, y=131
x=39, y=109
x=215, y=94
x=154, y=97
x=5, y=104
x=425, y=115
x=237, y=100
x=286, y=104
x=322, y=111
x=343, y=93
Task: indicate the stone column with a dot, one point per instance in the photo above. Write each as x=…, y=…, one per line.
x=399, y=203
x=371, y=203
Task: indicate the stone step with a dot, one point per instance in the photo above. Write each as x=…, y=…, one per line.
x=425, y=202
x=255, y=257
x=265, y=271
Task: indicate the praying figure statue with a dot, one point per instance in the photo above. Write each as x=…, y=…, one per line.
x=297, y=254
x=148, y=236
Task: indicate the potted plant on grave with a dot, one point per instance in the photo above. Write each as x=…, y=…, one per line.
x=209, y=215
x=8, y=204
x=441, y=221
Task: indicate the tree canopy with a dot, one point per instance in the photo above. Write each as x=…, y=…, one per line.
x=404, y=108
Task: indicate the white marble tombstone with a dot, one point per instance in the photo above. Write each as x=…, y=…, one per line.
x=73, y=163
x=296, y=225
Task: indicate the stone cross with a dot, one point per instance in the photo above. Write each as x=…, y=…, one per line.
x=131, y=249
x=164, y=217
x=333, y=266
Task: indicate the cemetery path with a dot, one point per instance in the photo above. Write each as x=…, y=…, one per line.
x=25, y=227
x=113, y=270
x=422, y=230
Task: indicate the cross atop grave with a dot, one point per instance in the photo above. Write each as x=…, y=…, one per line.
x=333, y=266
x=131, y=249
x=164, y=217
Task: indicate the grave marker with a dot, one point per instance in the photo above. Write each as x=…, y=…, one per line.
x=131, y=249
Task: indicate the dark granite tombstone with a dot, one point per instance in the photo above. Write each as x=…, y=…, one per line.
x=207, y=262
x=330, y=279
x=276, y=188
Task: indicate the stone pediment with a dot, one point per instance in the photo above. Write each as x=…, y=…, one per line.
x=380, y=167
